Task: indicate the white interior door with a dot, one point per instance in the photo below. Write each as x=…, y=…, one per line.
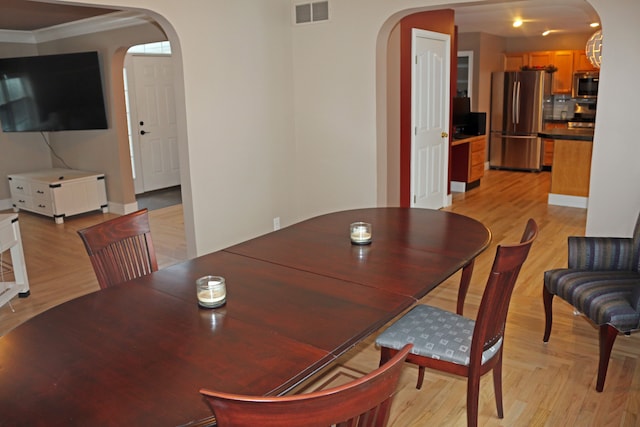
x=430, y=119
x=153, y=126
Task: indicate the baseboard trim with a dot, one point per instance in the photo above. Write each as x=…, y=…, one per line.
x=569, y=201
x=5, y=204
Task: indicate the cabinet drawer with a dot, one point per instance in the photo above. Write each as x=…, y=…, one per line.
x=476, y=172
x=21, y=201
x=40, y=191
x=44, y=207
x=477, y=145
x=477, y=158
x=19, y=187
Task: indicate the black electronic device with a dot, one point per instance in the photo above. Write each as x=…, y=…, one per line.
x=460, y=111
x=52, y=93
x=476, y=124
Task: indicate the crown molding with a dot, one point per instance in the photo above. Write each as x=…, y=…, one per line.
x=111, y=21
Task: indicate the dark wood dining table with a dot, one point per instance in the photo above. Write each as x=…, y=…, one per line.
x=297, y=299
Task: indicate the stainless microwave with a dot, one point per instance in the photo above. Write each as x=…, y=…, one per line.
x=585, y=84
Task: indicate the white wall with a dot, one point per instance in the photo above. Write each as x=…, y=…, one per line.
x=282, y=120
x=614, y=197
x=19, y=151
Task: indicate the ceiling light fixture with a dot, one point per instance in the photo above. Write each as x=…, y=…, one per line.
x=594, y=24
x=517, y=23
x=594, y=49
x=546, y=33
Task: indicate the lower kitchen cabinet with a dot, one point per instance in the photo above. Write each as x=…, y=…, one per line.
x=468, y=157
x=547, y=144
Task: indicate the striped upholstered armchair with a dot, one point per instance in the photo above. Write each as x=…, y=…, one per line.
x=602, y=281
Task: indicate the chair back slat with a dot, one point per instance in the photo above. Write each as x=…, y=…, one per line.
x=492, y=314
x=120, y=249
x=364, y=402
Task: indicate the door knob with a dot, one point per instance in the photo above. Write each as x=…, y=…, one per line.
x=143, y=132
x=444, y=134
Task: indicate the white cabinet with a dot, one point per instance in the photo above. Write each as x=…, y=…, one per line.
x=58, y=192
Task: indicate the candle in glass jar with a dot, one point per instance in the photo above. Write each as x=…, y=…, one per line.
x=361, y=233
x=211, y=291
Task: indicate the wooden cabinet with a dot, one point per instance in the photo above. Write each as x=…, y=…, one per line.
x=58, y=192
x=563, y=77
x=540, y=59
x=547, y=144
x=572, y=172
x=547, y=154
x=581, y=62
x=468, y=158
x=566, y=61
x=515, y=61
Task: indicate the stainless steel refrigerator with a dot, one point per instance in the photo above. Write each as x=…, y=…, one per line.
x=518, y=100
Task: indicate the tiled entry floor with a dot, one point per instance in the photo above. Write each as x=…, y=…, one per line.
x=159, y=198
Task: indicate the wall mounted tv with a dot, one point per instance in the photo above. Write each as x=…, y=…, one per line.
x=51, y=93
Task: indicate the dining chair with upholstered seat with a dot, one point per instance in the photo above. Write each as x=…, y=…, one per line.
x=365, y=402
x=449, y=342
x=120, y=249
x=601, y=281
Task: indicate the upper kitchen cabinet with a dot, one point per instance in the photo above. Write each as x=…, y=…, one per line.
x=563, y=78
x=540, y=59
x=563, y=60
x=581, y=62
x=515, y=61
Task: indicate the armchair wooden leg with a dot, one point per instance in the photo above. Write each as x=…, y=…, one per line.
x=420, y=377
x=608, y=336
x=473, y=394
x=385, y=354
x=465, y=280
x=547, y=298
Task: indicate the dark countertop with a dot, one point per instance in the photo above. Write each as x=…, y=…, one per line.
x=570, y=134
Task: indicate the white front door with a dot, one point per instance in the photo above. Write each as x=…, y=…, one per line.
x=430, y=119
x=153, y=124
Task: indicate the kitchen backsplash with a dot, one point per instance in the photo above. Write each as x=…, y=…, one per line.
x=561, y=107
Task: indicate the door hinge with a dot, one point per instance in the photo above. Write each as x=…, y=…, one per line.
x=414, y=199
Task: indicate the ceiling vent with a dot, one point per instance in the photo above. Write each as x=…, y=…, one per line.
x=312, y=12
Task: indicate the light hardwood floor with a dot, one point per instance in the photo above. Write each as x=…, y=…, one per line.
x=58, y=266
x=544, y=384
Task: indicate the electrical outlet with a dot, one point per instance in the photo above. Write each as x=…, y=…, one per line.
x=276, y=223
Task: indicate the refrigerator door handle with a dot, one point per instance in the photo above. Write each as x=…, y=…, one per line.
x=516, y=105
x=513, y=102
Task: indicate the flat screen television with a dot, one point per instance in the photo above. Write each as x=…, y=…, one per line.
x=51, y=93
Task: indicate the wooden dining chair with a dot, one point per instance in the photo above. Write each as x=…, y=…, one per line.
x=364, y=402
x=121, y=248
x=448, y=342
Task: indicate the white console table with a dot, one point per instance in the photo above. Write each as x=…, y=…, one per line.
x=10, y=240
x=58, y=192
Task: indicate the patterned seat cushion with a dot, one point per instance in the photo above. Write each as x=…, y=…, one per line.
x=435, y=333
x=605, y=297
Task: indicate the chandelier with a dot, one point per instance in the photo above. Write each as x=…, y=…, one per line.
x=594, y=49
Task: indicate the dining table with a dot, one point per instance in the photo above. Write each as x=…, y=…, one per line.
x=296, y=300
